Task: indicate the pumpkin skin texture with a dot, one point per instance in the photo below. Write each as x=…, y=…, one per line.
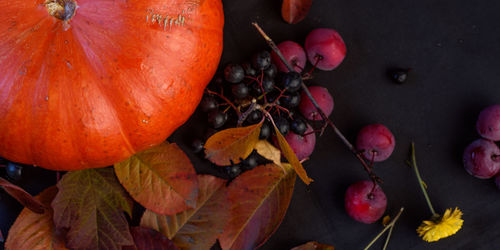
x=117, y=78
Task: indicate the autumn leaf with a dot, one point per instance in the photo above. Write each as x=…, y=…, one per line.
x=196, y=228
x=90, y=205
x=313, y=245
x=268, y=151
x=22, y=196
x=259, y=199
x=232, y=145
x=291, y=157
x=35, y=231
x=147, y=239
x=161, y=179
x=294, y=11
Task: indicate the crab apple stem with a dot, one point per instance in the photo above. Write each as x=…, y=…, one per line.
x=420, y=181
x=390, y=225
x=349, y=145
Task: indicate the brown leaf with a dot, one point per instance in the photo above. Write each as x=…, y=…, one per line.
x=294, y=11
x=35, y=231
x=268, y=151
x=161, y=179
x=313, y=245
x=291, y=157
x=259, y=199
x=232, y=145
x=196, y=228
x=22, y=196
x=147, y=239
x=90, y=205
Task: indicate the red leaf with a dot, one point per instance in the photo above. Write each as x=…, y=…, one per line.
x=90, y=205
x=232, y=145
x=161, y=179
x=148, y=239
x=36, y=231
x=259, y=199
x=199, y=227
x=22, y=196
x=294, y=11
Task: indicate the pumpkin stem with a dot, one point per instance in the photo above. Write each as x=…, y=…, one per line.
x=61, y=9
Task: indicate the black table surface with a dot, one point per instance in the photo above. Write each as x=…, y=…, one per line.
x=453, y=49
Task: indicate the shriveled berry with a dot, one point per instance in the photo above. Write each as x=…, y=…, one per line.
x=208, y=103
x=234, y=73
x=14, y=171
x=293, y=53
x=249, y=70
x=197, y=145
x=322, y=97
x=265, y=131
x=290, y=100
x=240, y=91
x=298, y=126
x=261, y=60
x=376, y=142
x=217, y=118
x=291, y=81
x=362, y=204
x=399, y=75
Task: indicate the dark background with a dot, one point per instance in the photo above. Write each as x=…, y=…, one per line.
x=453, y=48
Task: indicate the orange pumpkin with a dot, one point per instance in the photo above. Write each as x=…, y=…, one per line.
x=87, y=83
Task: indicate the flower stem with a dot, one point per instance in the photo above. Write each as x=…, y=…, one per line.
x=389, y=226
x=339, y=134
x=389, y=234
x=420, y=181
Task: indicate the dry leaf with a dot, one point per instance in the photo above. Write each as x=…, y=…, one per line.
x=196, y=228
x=291, y=157
x=232, y=145
x=148, y=239
x=294, y=11
x=161, y=179
x=268, y=151
x=22, y=196
x=35, y=231
x=313, y=245
x=386, y=220
x=259, y=199
x=90, y=204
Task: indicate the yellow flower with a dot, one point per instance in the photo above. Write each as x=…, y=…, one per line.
x=441, y=227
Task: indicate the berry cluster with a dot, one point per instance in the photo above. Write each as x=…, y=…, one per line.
x=264, y=90
x=482, y=157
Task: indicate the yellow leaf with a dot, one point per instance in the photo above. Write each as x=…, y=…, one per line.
x=232, y=145
x=386, y=220
x=268, y=151
x=291, y=157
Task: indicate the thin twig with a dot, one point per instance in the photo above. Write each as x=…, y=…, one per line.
x=389, y=234
x=349, y=145
x=226, y=100
x=420, y=181
x=390, y=225
x=245, y=114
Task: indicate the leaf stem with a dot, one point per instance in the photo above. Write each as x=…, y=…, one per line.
x=390, y=225
x=339, y=134
x=420, y=181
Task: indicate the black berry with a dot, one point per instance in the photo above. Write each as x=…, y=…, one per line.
x=14, y=171
x=283, y=125
x=197, y=145
x=217, y=118
x=234, y=73
x=291, y=81
x=208, y=103
x=298, y=126
x=290, y=100
x=249, y=71
x=233, y=171
x=268, y=84
x=265, y=131
x=261, y=60
x=240, y=91
x=271, y=71
x=254, y=117
x=250, y=162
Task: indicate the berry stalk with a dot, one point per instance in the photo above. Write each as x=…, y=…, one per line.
x=349, y=145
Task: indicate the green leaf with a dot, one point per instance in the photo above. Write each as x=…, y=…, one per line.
x=161, y=179
x=90, y=205
x=199, y=227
